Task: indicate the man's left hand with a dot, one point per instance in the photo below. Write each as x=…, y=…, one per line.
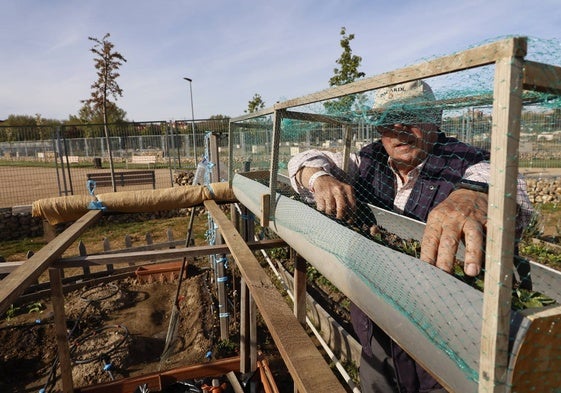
x=460, y=217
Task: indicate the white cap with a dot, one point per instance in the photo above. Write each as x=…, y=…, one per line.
x=408, y=102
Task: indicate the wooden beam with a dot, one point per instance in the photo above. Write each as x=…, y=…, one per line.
x=470, y=58
x=501, y=214
x=61, y=335
x=303, y=360
x=159, y=380
x=265, y=209
x=314, y=117
x=300, y=292
x=160, y=255
x=17, y=281
x=274, y=168
x=119, y=256
x=540, y=77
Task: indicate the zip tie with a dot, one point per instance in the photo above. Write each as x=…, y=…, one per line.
x=222, y=279
x=224, y=314
x=210, y=190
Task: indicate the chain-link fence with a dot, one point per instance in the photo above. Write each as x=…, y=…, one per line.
x=42, y=162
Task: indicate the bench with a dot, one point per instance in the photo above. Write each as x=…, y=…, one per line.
x=103, y=179
x=142, y=160
x=71, y=159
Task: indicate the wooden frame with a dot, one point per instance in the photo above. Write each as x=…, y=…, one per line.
x=512, y=75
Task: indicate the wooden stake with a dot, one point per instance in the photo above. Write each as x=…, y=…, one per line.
x=61, y=334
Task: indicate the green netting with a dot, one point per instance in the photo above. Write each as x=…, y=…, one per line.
x=426, y=136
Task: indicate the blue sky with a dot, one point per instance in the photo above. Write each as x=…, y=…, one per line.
x=232, y=49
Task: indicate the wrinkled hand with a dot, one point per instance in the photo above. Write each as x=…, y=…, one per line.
x=461, y=216
x=334, y=197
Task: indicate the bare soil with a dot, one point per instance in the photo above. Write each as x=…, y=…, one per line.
x=122, y=324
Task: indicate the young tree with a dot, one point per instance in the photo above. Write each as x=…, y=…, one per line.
x=255, y=104
x=107, y=63
x=347, y=72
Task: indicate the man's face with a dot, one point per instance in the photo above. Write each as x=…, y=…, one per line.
x=408, y=145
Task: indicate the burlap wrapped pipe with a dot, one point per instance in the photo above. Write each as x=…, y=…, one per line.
x=70, y=208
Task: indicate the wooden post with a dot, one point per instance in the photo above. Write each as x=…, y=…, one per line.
x=244, y=328
x=265, y=210
x=299, y=286
x=501, y=214
x=347, y=137
x=278, y=115
x=107, y=247
x=61, y=334
x=128, y=244
x=83, y=253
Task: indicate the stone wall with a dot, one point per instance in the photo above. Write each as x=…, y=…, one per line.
x=544, y=190
x=16, y=223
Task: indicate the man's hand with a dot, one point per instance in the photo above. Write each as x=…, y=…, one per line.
x=461, y=216
x=332, y=196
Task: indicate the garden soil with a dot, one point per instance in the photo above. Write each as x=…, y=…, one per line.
x=117, y=330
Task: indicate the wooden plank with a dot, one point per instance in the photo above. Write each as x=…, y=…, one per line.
x=61, y=330
x=159, y=380
x=245, y=364
x=535, y=364
x=304, y=362
x=118, y=256
x=83, y=252
x=542, y=77
x=300, y=292
x=499, y=267
x=17, y=281
x=162, y=255
x=470, y=58
x=274, y=168
x=107, y=248
x=314, y=117
x=265, y=209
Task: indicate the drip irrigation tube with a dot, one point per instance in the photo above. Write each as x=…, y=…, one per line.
x=89, y=296
x=100, y=354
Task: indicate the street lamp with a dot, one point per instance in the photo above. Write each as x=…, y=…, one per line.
x=192, y=118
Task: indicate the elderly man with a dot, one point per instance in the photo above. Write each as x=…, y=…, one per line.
x=415, y=170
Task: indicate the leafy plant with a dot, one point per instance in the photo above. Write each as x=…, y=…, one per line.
x=226, y=348
x=12, y=312
x=35, y=307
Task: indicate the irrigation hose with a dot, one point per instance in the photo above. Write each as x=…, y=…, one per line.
x=52, y=373
x=100, y=356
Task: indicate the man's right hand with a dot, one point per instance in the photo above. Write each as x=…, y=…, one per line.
x=332, y=196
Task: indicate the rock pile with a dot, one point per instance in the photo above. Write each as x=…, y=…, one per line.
x=544, y=190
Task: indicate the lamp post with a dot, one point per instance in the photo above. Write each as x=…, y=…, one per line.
x=192, y=118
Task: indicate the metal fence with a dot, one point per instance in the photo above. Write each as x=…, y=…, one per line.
x=42, y=162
